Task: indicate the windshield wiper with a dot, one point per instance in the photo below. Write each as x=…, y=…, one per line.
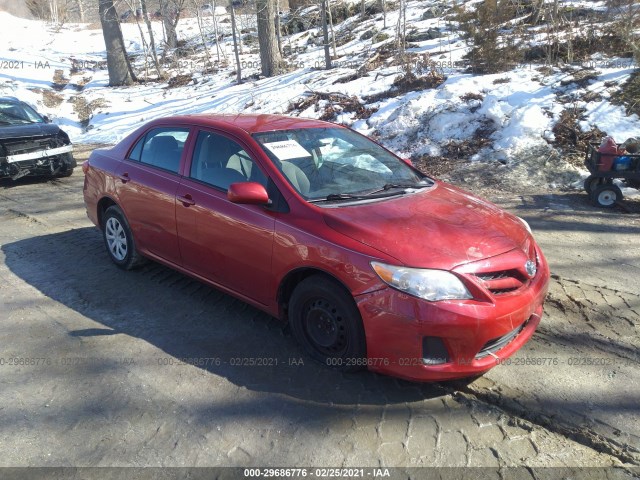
x=332, y=197
x=390, y=186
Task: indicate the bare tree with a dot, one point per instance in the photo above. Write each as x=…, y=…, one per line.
x=80, y=10
x=333, y=35
x=170, y=11
x=207, y=56
x=234, y=32
x=216, y=33
x=152, y=42
x=270, y=58
x=325, y=34
x=118, y=66
x=53, y=8
x=401, y=27
x=628, y=24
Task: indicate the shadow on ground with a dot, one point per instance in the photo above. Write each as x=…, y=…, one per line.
x=188, y=320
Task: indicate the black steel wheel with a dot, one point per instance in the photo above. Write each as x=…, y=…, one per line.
x=590, y=183
x=119, y=240
x=325, y=321
x=606, y=196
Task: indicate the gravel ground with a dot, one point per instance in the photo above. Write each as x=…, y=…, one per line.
x=100, y=367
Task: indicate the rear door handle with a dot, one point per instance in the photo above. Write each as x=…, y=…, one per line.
x=186, y=200
x=124, y=178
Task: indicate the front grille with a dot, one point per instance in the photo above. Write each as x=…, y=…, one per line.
x=18, y=146
x=502, y=282
x=492, y=346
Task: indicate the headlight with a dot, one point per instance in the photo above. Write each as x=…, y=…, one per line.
x=526, y=225
x=432, y=285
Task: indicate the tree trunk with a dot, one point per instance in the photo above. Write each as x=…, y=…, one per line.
x=209, y=63
x=117, y=63
x=270, y=58
x=325, y=35
x=333, y=35
x=167, y=9
x=152, y=43
x=234, y=31
x=53, y=11
x=278, y=27
x=81, y=10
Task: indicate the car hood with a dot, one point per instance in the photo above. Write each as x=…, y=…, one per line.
x=28, y=130
x=439, y=227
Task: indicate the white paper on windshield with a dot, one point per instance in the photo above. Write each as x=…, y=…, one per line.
x=287, y=149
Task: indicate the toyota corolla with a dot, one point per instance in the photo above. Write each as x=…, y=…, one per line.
x=372, y=263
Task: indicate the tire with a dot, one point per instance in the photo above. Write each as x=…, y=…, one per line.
x=68, y=164
x=118, y=239
x=325, y=321
x=606, y=196
x=66, y=172
x=590, y=183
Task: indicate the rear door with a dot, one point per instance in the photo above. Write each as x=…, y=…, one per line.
x=146, y=185
x=227, y=243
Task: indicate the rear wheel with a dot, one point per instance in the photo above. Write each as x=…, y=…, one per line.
x=606, y=196
x=327, y=324
x=119, y=240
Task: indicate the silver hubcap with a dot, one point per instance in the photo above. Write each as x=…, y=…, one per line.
x=116, y=239
x=607, y=198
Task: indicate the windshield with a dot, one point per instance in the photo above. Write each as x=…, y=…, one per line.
x=331, y=164
x=18, y=114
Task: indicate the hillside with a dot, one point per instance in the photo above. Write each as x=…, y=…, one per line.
x=523, y=125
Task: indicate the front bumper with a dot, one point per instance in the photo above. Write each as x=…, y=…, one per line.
x=47, y=161
x=477, y=334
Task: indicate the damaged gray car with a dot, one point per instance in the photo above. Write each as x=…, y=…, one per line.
x=30, y=144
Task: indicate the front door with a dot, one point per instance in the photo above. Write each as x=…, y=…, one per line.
x=227, y=243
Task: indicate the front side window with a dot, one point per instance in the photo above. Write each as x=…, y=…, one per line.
x=325, y=164
x=219, y=161
x=161, y=147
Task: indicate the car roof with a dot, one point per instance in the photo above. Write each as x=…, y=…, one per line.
x=10, y=100
x=250, y=123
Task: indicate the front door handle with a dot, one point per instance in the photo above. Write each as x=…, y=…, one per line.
x=186, y=200
x=124, y=178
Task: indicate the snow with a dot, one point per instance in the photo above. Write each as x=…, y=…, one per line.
x=520, y=106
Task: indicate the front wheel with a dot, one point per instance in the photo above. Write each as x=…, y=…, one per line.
x=606, y=196
x=326, y=322
x=119, y=240
x=68, y=164
x=590, y=183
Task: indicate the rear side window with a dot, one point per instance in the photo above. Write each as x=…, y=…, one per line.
x=162, y=148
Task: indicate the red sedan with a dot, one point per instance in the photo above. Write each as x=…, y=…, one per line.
x=373, y=264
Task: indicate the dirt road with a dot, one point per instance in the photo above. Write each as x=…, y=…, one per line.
x=100, y=367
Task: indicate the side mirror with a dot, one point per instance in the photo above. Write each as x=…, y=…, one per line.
x=407, y=161
x=249, y=193
x=46, y=119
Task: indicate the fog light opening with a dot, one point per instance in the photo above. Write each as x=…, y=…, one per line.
x=434, y=351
